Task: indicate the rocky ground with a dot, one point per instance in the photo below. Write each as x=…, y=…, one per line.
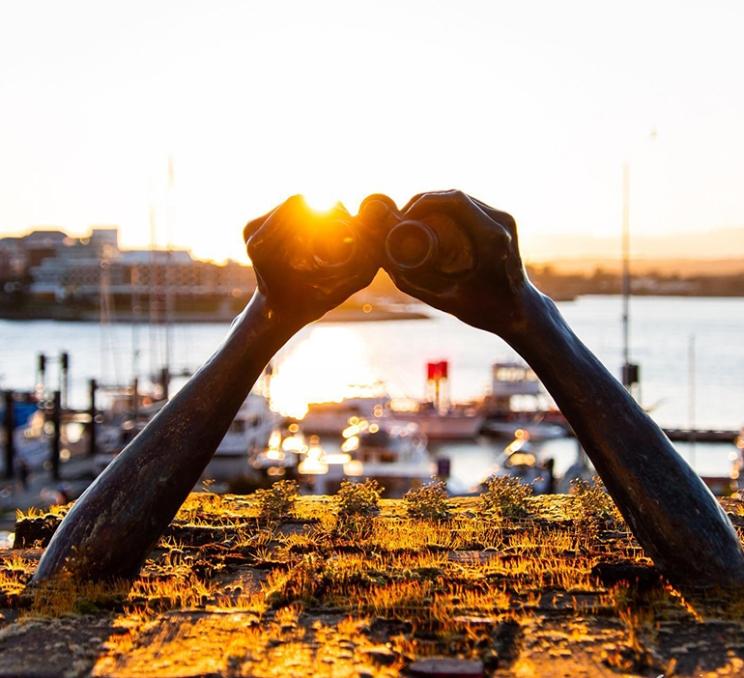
x=270, y=584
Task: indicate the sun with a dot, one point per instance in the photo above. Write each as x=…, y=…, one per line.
x=320, y=201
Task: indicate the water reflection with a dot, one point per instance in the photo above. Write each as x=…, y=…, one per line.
x=329, y=363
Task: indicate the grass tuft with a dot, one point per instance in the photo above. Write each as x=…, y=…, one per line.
x=428, y=502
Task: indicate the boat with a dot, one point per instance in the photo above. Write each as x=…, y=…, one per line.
x=538, y=429
x=518, y=402
x=520, y=460
x=393, y=452
x=30, y=438
x=320, y=471
x=250, y=431
x=330, y=418
x=281, y=457
x=32, y=443
x=737, y=470
x=455, y=422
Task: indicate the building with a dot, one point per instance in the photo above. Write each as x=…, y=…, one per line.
x=85, y=270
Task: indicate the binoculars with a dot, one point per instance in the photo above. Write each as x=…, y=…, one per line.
x=437, y=243
x=333, y=243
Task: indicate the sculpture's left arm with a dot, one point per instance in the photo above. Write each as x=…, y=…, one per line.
x=114, y=524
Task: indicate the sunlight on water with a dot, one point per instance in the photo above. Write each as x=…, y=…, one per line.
x=331, y=363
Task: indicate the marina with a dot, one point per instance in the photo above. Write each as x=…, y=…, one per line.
x=467, y=417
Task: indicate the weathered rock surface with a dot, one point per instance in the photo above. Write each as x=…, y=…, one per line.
x=227, y=593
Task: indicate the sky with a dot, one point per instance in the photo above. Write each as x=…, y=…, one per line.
x=531, y=106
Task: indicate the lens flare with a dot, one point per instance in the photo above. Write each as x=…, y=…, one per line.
x=320, y=201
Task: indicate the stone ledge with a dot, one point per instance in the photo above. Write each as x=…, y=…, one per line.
x=225, y=593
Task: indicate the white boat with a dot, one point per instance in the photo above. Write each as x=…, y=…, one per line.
x=520, y=460
x=32, y=444
x=31, y=441
x=280, y=458
x=249, y=432
x=451, y=424
x=737, y=470
x=537, y=430
x=518, y=401
x=454, y=423
x=392, y=452
x=329, y=419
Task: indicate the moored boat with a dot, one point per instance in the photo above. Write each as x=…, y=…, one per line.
x=392, y=452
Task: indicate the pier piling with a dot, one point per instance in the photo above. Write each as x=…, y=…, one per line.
x=9, y=425
x=56, y=433
x=92, y=387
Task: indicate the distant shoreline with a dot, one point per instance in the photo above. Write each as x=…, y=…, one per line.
x=337, y=315
x=340, y=315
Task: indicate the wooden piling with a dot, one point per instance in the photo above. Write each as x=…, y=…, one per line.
x=9, y=425
x=56, y=433
x=92, y=387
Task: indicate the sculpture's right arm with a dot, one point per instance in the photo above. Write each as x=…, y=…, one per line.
x=670, y=510
x=120, y=516
x=668, y=507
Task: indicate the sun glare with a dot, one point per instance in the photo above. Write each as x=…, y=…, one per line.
x=320, y=201
x=327, y=365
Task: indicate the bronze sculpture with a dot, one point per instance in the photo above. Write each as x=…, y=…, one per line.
x=459, y=255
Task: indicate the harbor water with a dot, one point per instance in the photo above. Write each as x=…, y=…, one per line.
x=690, y=351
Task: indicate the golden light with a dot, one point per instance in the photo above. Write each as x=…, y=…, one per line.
x=275, y=439
x=403, y=405
x=350, y=445
x=327, y=365
x=320, y=201
x=354, y=468
x=293, y=443
x=337, y=459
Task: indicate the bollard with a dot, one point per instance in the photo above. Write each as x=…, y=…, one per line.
x=135, y=398
x=64, y=376
x=56, y=433
x=164, y=382
x=9, y=425
x=92, y=386
x=41, y=375
x=443, y=467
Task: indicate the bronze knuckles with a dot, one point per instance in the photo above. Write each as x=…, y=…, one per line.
x=415, y=245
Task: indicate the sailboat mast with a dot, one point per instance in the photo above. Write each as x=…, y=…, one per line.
x=169, y=271
x=152, y=294
x=626, y=269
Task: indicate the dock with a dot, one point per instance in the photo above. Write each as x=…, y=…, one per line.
x=704, y=435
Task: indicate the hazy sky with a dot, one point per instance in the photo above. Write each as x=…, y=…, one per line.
x=532, y=106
